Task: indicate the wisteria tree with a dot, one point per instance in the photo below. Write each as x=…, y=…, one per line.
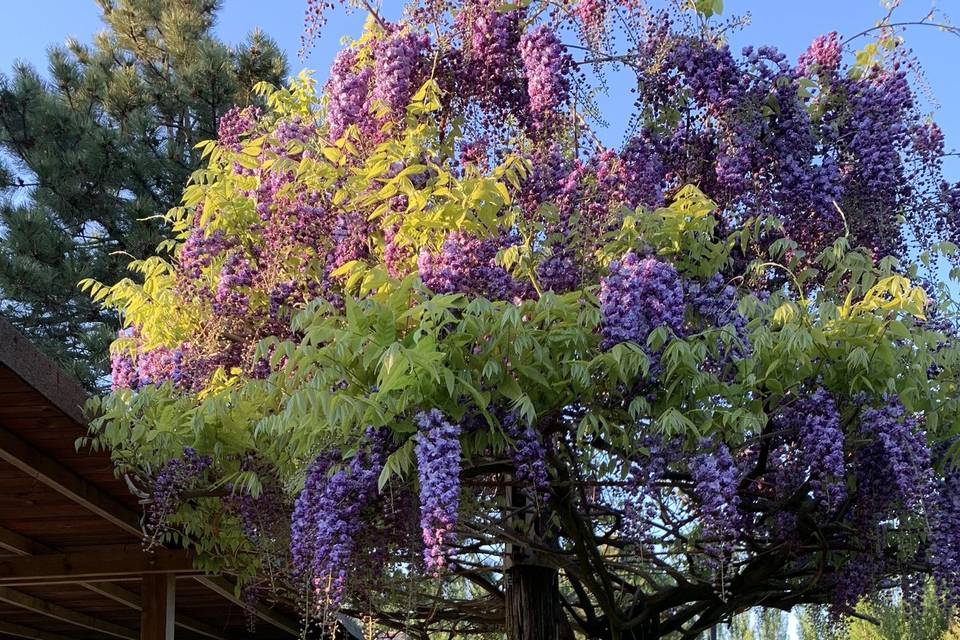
x=421, y=350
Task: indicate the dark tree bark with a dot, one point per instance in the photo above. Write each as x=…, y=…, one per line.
x=533, y=606
x=649, y=630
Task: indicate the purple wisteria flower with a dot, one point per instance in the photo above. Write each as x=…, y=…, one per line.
x=328, y=517
x=715, y=486
x=546, y=65
x=437, y=450
x=638, y=296
x=816, y=420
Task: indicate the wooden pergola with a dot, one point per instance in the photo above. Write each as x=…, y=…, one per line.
x=71, y=560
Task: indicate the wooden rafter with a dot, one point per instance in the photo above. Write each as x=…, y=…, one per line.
x=57, y=612
x=20, y=454
x=20, y=631
x=21, y=545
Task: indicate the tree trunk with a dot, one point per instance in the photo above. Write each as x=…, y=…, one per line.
x=533, y=603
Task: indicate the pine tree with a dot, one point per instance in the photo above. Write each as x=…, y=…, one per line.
x=99, y=147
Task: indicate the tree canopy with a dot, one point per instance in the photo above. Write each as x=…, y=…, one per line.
x=420, y=349
x=99, y=147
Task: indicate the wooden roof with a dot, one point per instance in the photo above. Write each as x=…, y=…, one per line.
x=71, y=561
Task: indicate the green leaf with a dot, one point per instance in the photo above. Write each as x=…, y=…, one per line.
x=397, y=464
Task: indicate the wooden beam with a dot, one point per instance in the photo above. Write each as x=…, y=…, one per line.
x=22, y=545
x=38, y=583
x=157, y=615
x=226, y=590
x=19, y=631
x=81, y=567
x=115, y=593
x=51, y=473
x=55, y=611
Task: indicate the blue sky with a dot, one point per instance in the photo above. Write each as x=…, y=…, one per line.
x=29, y=28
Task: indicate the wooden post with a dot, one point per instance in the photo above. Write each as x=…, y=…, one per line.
x=533, y=609
x=533, y=603
x=157, y=617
